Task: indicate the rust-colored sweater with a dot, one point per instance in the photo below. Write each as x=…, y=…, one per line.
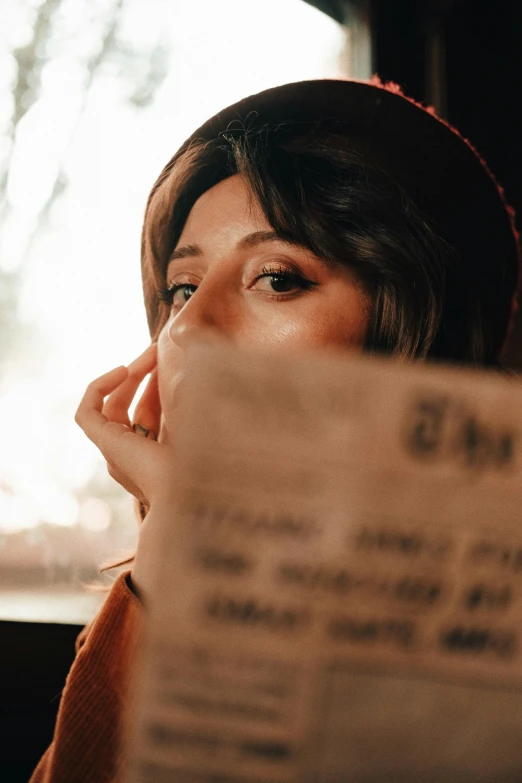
x=86, y=747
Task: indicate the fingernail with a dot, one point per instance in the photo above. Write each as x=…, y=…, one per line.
x=139, y=430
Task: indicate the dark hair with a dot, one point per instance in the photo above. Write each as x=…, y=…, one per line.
x=317, y=190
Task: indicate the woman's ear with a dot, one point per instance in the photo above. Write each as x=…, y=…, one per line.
x=147, y=413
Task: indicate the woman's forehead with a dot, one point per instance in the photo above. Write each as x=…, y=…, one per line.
x=229, y=207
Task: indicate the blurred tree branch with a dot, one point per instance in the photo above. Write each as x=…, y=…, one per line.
x=140, y=69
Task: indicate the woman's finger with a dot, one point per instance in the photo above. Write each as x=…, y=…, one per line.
x=141, y=462
x=89, y=415
x=116, y=407
x=147, y=413
x=126, y=483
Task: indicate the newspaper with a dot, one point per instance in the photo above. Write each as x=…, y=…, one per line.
x=338, y=577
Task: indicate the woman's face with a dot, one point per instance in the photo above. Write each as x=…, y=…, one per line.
x=231, y=277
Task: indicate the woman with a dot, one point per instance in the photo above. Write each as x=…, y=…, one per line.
x=322, y=214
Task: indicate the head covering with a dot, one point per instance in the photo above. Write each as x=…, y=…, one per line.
x=442, y=173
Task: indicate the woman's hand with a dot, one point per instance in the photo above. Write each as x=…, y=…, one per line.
x=134, y=461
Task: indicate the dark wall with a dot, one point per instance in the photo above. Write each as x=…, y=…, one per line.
x=34, y=661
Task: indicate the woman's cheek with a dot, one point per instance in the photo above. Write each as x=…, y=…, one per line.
x=171, y=360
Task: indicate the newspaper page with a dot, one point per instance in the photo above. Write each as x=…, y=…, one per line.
x=338, y=577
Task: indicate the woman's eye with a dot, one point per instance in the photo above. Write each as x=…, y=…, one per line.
x=281, y=281
x=177, y=295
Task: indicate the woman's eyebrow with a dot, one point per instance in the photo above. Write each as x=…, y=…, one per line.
x=186, y=252
x=250, y=240
x=258, y=237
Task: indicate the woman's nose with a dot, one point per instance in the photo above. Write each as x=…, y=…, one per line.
x=209, y=313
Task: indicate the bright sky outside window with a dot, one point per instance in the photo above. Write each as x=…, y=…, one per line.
x=109, y=90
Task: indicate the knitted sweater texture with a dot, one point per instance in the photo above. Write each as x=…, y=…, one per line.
x=87, y=742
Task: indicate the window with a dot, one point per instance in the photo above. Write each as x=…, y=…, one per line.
x=95, y=96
